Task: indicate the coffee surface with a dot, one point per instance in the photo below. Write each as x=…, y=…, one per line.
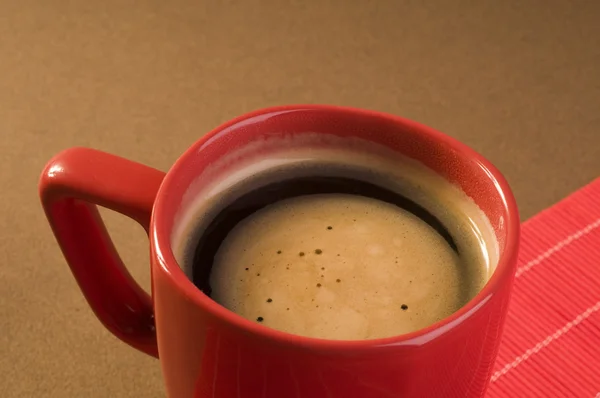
x=341, y=266
x=423, y=250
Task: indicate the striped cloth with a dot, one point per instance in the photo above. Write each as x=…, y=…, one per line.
x=551, y=342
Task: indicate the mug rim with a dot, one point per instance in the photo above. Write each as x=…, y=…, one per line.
x=160, y=240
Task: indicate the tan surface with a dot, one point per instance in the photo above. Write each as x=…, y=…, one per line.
x=517, y=80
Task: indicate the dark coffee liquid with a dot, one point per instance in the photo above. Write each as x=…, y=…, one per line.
x=211, y=238
x=345, y=243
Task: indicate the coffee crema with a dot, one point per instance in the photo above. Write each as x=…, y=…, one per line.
x=344, y=244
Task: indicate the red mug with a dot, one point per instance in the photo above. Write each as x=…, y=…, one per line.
x=207, y=351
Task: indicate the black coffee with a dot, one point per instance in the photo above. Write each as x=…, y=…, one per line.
x=334, y=244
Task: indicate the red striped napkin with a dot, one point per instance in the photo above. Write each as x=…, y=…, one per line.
x=551, y=342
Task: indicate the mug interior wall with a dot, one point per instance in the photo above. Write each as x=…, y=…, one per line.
x=450, y=159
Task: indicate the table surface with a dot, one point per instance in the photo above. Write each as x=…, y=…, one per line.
x=517, y=80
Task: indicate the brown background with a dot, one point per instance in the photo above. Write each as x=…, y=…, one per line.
x=517, y=80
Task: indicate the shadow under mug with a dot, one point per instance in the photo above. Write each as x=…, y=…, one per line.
x=207, y=351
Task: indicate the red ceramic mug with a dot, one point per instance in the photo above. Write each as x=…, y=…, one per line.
x=207, y=351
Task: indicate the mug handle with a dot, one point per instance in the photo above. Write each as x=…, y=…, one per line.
x=71, y=187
